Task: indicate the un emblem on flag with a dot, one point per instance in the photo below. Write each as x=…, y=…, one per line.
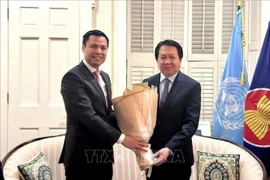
x=230, y=107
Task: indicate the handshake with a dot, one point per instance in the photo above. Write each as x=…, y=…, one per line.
x=144, y=154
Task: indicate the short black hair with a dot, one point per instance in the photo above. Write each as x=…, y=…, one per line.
x=94, y=33
x=169, y=42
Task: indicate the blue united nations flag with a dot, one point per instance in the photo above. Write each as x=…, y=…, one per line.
x=229, y=108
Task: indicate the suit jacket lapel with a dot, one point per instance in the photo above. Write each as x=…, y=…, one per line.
x=176, y=87
x=93, y=81
x=108, y=90
x=156, y=81
x=107, y=82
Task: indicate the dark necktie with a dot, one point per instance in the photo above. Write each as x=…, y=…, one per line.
x=165, y=91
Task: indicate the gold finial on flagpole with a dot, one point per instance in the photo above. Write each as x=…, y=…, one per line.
x=239, y=4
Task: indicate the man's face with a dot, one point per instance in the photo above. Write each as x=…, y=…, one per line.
x=95, y=50
x=169, y=62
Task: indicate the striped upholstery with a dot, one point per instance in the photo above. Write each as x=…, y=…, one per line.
x=125, y=167
x=51, y=148
x=250, y=167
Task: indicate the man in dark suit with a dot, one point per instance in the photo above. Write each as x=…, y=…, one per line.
x=177, y=116
x=91, y=126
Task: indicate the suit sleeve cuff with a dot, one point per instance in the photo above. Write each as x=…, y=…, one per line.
x=121, y=138
x=170, y=151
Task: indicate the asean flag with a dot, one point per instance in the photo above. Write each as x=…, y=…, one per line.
x=257, y=107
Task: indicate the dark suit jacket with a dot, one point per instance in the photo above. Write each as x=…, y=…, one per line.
x=177, y=119
x=89, y=122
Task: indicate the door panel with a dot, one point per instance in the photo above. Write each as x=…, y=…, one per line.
x=44, y=42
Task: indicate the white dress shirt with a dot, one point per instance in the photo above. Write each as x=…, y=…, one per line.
x=162, y=84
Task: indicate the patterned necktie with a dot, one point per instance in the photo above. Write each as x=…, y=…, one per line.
x=165, y=91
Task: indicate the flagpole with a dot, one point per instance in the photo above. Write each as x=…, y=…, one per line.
x=228, y=118
x=243, y=42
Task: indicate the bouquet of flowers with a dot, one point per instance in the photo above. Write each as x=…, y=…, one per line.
x=136, y=114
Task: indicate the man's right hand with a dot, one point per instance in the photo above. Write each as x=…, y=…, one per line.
x=135, y=144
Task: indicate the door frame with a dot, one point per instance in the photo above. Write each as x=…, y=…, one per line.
x=3, y=78
x=85, y=25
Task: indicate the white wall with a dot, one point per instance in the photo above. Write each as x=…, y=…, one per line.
x=3, y=79
x=259, y=17
x=119, y=48
x=111, y=18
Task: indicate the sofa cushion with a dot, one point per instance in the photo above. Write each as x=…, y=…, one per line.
x=218, y=166
x=36, y=169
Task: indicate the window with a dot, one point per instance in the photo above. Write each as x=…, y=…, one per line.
x=202, y=27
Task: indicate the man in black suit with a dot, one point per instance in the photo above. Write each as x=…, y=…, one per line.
x=177, y=116
x=91, y=126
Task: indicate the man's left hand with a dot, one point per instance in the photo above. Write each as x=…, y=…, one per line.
x=161, y=156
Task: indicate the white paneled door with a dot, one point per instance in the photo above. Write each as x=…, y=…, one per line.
x=44, y=42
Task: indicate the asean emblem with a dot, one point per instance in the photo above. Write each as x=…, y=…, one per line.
x=257, y=117
x=229, y=107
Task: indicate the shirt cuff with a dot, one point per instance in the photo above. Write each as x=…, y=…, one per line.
x=121, y=138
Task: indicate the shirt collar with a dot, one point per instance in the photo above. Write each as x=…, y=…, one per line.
x=171, y=78
x=91, y=68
